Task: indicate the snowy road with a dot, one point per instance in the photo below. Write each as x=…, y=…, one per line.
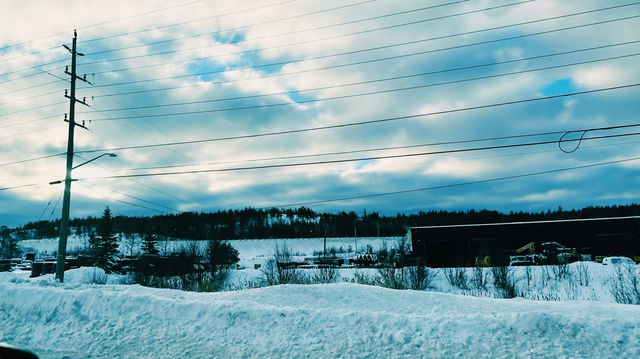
x=314, y=321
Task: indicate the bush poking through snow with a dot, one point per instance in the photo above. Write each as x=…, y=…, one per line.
x=94, y=276
x=504, y=282
x=582, y=274
x=193, y=282
x=624, y=284
x=479, y=279
x=362, y=278
x=457, y=277
x=277, y=270
x=421, y=277
x=325, y=275
x=561, y=271
x=390, y=277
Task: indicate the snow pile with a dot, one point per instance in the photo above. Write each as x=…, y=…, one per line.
x=293, y=321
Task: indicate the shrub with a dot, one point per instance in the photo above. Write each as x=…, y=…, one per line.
x=457, y=277
x=504, y=282
x=478, y=278
x=277, y=271
x=561, y=271
x=582, y=272
x=327, y=274
x=625, y=285
x=394, y=278
x=94, y=276
x=421, y=277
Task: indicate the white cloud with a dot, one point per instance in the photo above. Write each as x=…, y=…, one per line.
x=264, y=45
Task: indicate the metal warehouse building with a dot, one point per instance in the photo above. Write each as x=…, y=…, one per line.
x=461, y=245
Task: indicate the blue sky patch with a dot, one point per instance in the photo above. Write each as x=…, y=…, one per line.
x=205, y=66
x=558, y=87
x=296, y=97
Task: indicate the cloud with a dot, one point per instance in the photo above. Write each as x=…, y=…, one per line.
x=205, y=78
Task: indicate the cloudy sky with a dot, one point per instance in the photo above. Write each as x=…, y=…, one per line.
x=361, y=80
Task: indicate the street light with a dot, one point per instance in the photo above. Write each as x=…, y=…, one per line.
x=93, y=159
x=64, y=222
x=84, y=163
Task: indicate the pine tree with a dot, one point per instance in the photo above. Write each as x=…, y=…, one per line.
x=107, y=249
x=94, y=244
x=220, y=254
x=149, y=245
x=8, y=244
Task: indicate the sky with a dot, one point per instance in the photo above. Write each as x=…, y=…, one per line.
x=350, y=81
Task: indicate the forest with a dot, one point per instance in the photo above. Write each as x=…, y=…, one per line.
x=301, y=222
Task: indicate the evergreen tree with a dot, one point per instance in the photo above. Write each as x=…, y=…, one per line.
x=8, y=244
x=107, y=249
x=149, y=245
x=220, y=254
x=94, y=244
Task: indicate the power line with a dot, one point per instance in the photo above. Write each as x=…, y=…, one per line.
x=34, y=108
x=360, y=159
x=370, y=158
x=124, y=34
x=90, y=26
x=348, y=53
x=21, y=186
x=377, y=80
x=377, y=149
x=56, y=205
x=423, y=40
x=335, y=55
x=128, y=195
x=495, y=179
x=157, y=42
x=343, y=125
x=322, y=39
x=353, y=63
x=384, y=28
x=31, y=87
x=189, y=22
x=299, y=30
x=30, y=132
x=140, y=206
x=340, y=97
x=14, y=124
x=146, y=201
x=360, y=123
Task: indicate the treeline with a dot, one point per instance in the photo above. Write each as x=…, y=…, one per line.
x=303, y=222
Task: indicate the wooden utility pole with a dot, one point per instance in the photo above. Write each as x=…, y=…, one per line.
x=64, y=222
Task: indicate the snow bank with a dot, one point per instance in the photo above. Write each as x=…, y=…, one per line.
x=315, y=321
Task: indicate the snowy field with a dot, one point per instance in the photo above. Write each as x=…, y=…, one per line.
x=340, y=320
x=248, y=248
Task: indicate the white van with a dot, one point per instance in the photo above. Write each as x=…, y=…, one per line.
x=617, y=261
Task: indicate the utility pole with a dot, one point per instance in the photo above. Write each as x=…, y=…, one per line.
x=355, y=234
x=64, y=222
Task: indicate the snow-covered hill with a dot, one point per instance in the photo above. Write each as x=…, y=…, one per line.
x=303, y=321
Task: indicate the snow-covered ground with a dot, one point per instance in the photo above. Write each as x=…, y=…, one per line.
x=248, y=248
x=341, y=320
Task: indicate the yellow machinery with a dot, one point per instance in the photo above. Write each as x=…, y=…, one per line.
x=529, y=248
